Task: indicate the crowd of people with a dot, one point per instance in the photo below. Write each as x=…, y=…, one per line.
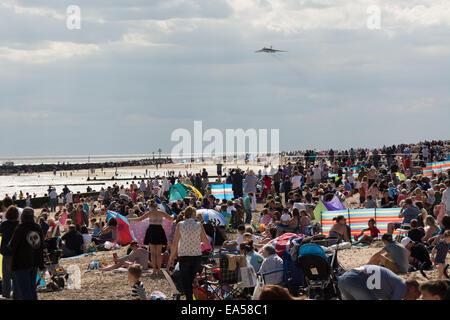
x=288, y=193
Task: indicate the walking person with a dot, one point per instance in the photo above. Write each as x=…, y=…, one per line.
x=7, y=228
x=250, y=183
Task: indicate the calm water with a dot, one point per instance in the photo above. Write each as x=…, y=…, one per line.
x=74, y=159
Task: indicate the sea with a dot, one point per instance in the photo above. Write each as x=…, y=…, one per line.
x=38, y=183
x=28, y=160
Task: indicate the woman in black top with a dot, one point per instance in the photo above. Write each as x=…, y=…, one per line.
x=7, y=228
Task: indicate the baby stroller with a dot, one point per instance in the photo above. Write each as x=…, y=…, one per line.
x=320, y=272
x=58, y=275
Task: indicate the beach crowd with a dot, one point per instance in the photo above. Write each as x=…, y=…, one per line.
x=265, y=205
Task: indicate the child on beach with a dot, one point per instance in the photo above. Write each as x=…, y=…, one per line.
x=134, y=276
x=439, y=253
x=374, y=232
x=434, y=290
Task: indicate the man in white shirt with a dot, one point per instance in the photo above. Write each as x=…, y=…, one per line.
x=296, y=180
x=272, y=266
x=69, y=197
x=53, y=199
x=317, y=174
x=142, y=186
x=446, y=197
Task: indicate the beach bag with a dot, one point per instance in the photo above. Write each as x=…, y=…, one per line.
x=258, y=288
x=248, y=277
x=157, y=295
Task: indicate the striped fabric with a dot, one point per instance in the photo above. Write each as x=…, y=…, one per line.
x=222, y=191
x=357, y=219
x=435, y=167
x=138, y=291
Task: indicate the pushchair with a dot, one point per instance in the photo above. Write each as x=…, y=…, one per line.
x=320, y=272
x=57, y=274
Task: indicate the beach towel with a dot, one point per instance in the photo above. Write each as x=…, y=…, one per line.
x=80, y=256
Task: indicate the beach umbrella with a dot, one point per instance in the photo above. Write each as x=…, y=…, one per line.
x=177, y=192
x=214, y=216
x=195, y=190
x=124, y=232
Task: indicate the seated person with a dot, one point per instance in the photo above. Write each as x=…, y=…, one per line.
x=272, y=266
x=418, y=255
x=53, y=231
x=96, y=230
x=44, y=225
x=305, y=222
x=233, y=246
x=340, y=229
x=137, y=255
x=431, y=228
x=108, y=233
x=266, y=216
x=87, y=238
x=416, y=233
x=73, y=242
x=353, y=285
x=253, y=258
x=284, y=223
x=374, y=232
x=393, y=256
x=408, y=213
x=272, y=234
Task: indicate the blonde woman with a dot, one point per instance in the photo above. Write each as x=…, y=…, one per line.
x=189, y=235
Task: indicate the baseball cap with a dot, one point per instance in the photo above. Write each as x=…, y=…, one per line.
x=405, y=241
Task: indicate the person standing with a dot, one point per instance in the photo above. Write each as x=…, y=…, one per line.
x=26, y=246
x=155, y=235
x=250, y=182
x=189, y=235
x=446, y=197
x=53, y=199
x=236, y=181
x=277, y=181
x=7, y=228
x=248, y=207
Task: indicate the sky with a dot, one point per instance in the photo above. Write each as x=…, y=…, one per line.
x=136, y=70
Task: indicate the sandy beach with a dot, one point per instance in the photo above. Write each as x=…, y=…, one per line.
x=97, y=285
